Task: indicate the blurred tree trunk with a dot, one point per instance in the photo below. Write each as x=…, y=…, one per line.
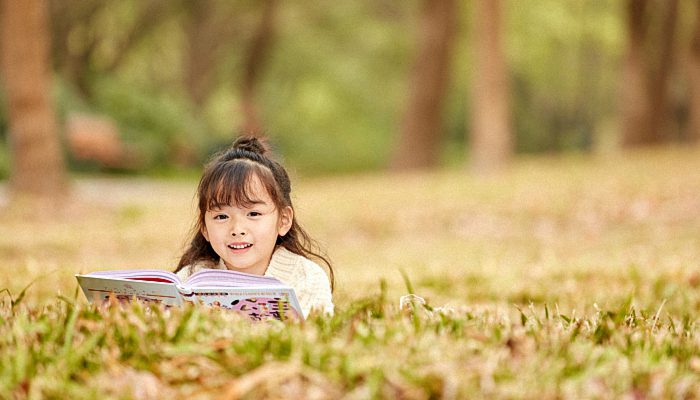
x=150, y=16
x=257, y=55
x=491, y=139
x=644, y=97
x=420, y=137
x=37, y=161
x=73, y=61
x=201, y=51
x=212, y=27
x=694, y=79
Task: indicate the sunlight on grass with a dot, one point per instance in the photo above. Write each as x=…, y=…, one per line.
x=574, y=277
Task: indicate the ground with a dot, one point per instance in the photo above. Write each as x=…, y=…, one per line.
x=583, y=269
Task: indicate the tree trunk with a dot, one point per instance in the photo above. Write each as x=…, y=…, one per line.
x=659, y=79
x=152, y=13
x=649, y=60
x=201, y=52
x=74, y=63
x=635, y=107
x=257, y=55
x=491, y=139
x=421, y=135
x=694, y=79
x=37, y=161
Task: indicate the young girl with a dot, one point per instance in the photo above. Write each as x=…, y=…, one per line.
x=246, y=223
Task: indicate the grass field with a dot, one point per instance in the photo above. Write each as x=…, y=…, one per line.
x=572, y=277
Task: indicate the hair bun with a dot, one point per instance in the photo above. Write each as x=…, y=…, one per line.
x=252, y=144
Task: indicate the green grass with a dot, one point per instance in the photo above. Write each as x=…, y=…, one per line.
x=560, y=278
x=369, y=349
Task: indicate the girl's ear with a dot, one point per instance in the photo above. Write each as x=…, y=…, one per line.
x=285, y=221
x=205, y=233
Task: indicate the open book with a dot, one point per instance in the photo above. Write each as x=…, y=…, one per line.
x=260, y=297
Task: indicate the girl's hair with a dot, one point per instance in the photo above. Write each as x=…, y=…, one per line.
x=228, y=179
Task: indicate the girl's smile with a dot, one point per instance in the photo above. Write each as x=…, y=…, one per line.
x=240, y=247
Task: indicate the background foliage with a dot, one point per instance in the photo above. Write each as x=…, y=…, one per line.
x=334, y=82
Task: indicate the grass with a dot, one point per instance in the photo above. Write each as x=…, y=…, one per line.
x=560, y=278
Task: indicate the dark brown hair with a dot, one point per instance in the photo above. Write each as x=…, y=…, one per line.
x=228, y=179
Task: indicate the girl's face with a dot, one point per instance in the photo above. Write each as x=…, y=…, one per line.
x=245, y=237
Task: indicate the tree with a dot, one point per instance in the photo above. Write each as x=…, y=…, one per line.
x=644, y=94
x=694, y=79
x=73, y=62
x=257, y=55
x=420, y=137
x=491, y=137
x=215, y=30
x=80, y=37
x=204, y=32
x=37, y=166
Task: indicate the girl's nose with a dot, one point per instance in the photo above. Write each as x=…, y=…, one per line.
x=238, y=228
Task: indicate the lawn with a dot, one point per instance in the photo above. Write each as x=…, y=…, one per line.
x=569, y=277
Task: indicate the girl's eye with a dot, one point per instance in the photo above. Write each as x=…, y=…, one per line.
x=220, y=216
x=254, y=214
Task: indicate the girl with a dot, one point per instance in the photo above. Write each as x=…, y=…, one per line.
x=246, y=223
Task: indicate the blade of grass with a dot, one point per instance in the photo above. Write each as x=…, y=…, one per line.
x=407, y=282
x=656, y=316
x=523, y=317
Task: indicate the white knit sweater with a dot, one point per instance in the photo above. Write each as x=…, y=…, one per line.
x=306, y=277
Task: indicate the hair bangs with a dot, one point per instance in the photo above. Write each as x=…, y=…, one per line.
x=235, y=185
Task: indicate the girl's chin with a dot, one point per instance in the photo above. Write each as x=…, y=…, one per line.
x=248, y=269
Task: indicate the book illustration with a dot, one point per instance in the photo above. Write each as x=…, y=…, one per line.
x=261, y=308
x=258, y=305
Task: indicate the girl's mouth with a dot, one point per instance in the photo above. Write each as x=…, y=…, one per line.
x=239, y=246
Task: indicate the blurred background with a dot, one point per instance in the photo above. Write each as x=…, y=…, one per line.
x=154, y=86
x=504, y=150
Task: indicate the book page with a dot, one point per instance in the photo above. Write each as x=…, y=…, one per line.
x=227, y=278
x=98, y=288
x=152, y=275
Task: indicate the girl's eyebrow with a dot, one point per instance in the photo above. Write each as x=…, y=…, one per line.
x=254, y=203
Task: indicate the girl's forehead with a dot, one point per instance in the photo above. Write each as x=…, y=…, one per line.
x=254, y=187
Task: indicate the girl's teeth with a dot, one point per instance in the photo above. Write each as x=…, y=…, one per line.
x=239, y=246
